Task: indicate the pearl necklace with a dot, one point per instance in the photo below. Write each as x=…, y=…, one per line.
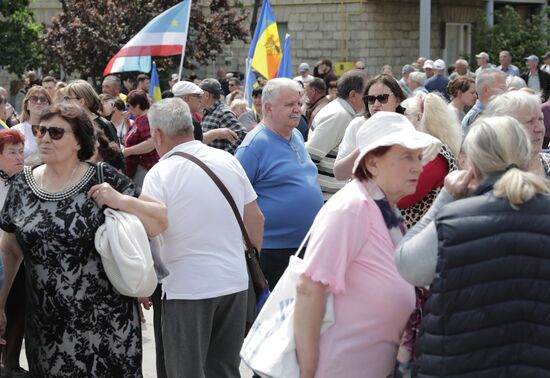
x=66, y=184
x=59, y=196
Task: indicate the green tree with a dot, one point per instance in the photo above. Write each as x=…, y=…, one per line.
x=512, y=33
x=88, y=32
x=19, y=36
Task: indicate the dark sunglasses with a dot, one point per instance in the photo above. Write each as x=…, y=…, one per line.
x=37, y=99
x=383, y=99
x=56, y=133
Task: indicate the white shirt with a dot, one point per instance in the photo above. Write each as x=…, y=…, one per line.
x=349, y=142
x=30, y=150
x=203, y=246
x=304, y=80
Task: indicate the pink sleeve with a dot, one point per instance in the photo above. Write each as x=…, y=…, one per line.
x=337, y=237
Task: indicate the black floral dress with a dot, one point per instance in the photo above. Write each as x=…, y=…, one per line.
x=77, y=324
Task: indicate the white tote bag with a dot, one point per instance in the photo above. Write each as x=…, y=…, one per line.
x=269, y=348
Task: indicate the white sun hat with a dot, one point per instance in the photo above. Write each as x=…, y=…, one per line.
x=386, y=129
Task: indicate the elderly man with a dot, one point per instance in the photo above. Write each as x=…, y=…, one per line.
x=462, y=68
x=416, y=82
x=315, y=99
x=251, y=118
x=438, y=82
x=482, y=60
x=506, y=66
x=282, y=174
x=490, y=82
x=218, y=115
x=111, y=86
x=205, y=294
x=428, y=68
x=535, y=78
x=191, y=94
x=304, y=76
x=329, y=126
x=405, y=72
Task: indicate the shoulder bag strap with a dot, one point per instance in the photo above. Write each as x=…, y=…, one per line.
x=225, y=192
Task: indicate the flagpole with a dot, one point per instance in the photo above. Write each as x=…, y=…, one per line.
x=181, y=64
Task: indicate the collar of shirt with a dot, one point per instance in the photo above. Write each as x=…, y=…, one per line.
x=346, y=105
x=212, y=107
x=180, y=147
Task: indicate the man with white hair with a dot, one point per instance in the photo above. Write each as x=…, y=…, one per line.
x=405, y=72
x=112, y=85
x=416, y=82
x=282, y=174
x=205, y=295
x=462, y=68
x=489, y=82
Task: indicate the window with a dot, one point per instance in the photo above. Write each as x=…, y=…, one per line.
x=458, y=39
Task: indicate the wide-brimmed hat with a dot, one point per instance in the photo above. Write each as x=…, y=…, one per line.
x=386, y=129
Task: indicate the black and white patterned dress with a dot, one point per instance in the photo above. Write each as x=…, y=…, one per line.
x=77, y=324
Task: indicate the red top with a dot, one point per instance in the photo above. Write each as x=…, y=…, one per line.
x=431, y=177
x=140, y=132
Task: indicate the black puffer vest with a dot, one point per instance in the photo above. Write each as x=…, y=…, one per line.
x=489, y=310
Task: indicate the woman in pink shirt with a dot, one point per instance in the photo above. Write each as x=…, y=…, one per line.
x=350, y=254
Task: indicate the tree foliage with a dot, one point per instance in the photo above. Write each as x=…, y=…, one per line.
x=512, y=33
x=89, y=32
x=19, y=36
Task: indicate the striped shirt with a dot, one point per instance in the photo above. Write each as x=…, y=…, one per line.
x=328, y=129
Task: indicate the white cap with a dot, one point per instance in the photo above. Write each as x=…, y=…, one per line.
x=439, y=64
x=303, y=67
x=428, y=64
x=389, y=129
x=182, y=88
x=482, y=55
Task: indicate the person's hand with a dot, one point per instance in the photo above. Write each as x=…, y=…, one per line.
x=145, y=303
x=105, y=195
x=226, y=134
x=459, y=183
x=3, y=323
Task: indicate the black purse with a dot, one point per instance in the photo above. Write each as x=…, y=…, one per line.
x=251, y=253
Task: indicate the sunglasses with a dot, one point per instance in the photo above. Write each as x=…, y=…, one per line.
x=67, y=98
x=383, y=99
x=56, y=133
x=39, y=99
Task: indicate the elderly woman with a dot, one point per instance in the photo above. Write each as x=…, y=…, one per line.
x=139, y=148
x=463, y=94
x=486, y=258
x=350, y=254
x=77, y=323
x=382, y=93
x=525, y=107
x=11, y=162
x=36, y=100
x=82, y=93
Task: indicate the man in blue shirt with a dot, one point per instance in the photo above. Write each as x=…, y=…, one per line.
x=277, y=164
x=506, y=66
x=438, y=82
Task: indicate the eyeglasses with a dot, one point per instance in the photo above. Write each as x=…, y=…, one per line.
x=39, y=99
x=56, y=133
x=383, y=98
x=67, y=98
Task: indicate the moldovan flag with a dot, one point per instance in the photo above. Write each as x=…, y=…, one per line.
x=164, y=35
x=154, y=88
x=265, y=49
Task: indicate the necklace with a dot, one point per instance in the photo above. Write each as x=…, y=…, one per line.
x=66, y=184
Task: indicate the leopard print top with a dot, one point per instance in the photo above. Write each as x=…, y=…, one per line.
x=412, y=214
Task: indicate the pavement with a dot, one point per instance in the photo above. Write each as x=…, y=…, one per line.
x=149, y=367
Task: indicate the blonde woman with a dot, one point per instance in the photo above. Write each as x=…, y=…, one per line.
x=486, y=258
x=439, y=121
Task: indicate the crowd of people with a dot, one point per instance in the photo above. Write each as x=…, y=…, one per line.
x=424, y=196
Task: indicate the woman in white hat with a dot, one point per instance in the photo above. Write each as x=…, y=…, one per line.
x=350, y=254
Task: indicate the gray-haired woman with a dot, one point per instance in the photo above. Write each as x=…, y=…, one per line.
x=486, y=258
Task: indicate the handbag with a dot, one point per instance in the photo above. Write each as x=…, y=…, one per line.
x=251, y=253
x=269, y=349
x=125, y=254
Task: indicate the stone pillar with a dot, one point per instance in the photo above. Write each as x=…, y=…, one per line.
x=425, y=27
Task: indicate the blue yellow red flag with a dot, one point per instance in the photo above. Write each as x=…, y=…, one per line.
x=265, y=49
x=285, y=68
x=154, y=88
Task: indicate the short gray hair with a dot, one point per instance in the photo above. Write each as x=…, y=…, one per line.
x=515, y=104
x=351, y=80
x=463, y=62
x=114, y=79
x=172, y=116
x=418, y=77
x=487, y=76
x=273, y=87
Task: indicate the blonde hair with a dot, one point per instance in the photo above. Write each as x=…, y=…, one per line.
x=83, y=90
x=33, y=91
x=441, y=122
x=500, y=145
